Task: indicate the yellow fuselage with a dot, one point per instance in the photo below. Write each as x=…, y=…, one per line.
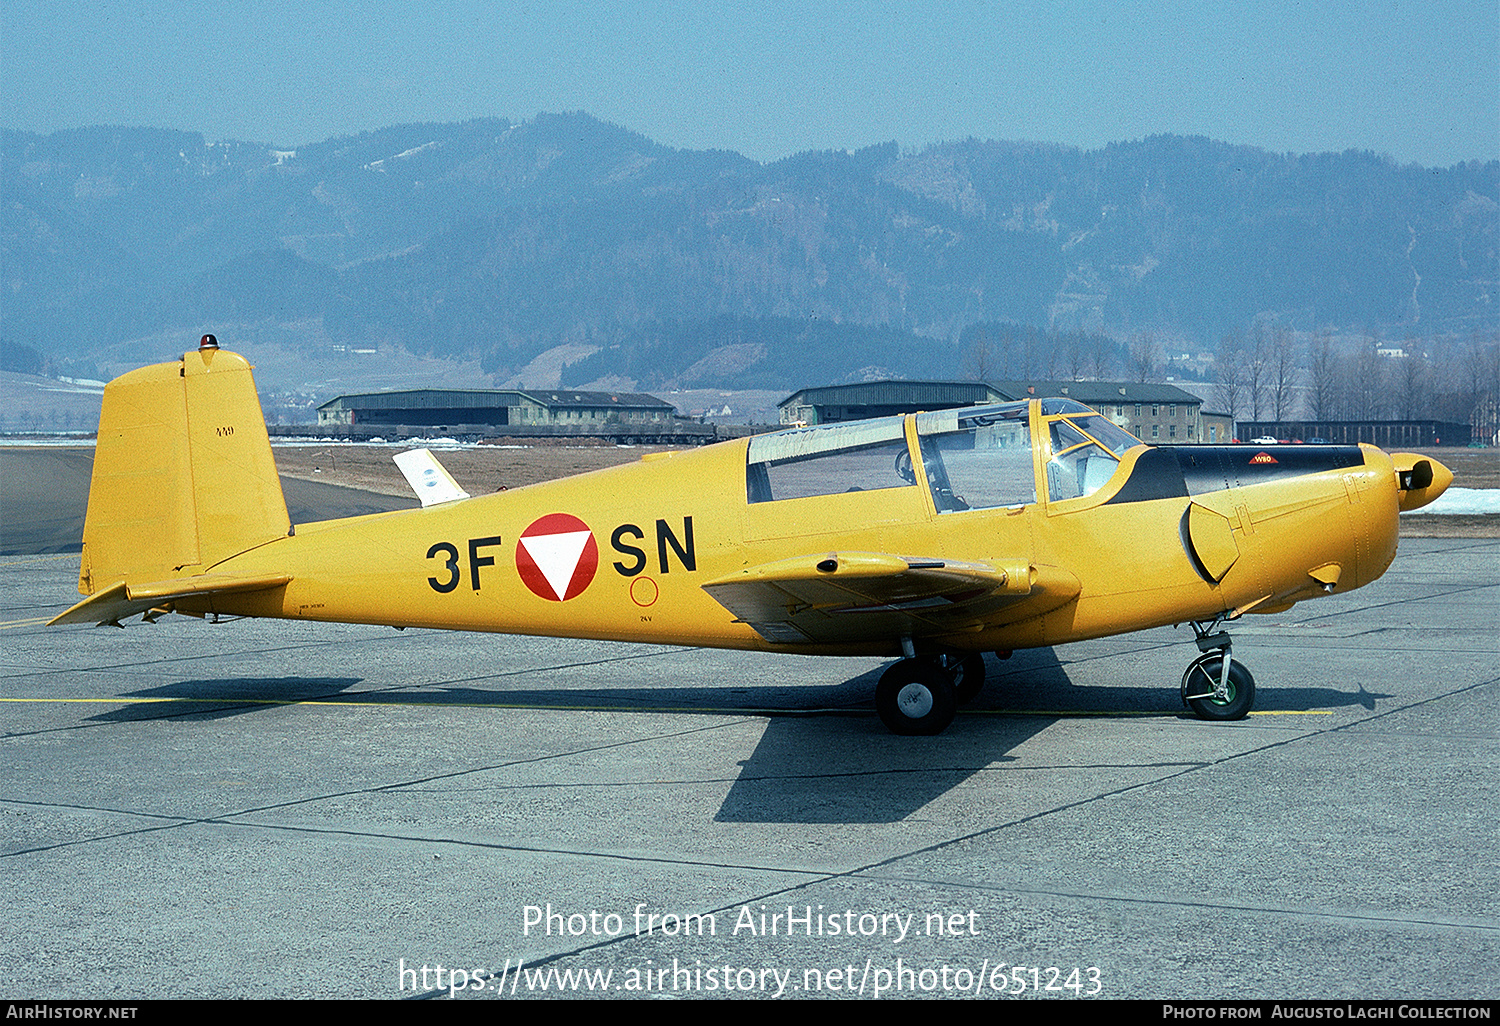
x=661, y=528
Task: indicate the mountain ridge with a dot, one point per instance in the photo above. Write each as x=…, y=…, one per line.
x=500, y=240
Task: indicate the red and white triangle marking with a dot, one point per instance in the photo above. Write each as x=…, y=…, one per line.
x=557, y=556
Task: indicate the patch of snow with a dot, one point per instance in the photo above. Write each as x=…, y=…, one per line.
x=1458, y=501
x=416, y=149
x=379, y=165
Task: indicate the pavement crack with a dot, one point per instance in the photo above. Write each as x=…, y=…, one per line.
x=227, y=818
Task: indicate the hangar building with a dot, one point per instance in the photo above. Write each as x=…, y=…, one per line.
x=446, y=407
x=1151, y=412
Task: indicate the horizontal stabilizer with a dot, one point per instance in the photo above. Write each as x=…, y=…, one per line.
x=124, y=599
x=428, y=478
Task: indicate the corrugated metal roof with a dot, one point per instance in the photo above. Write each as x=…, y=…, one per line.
x=959, y=393
x=443, y=398
x=884, y=393
x=1094, y=393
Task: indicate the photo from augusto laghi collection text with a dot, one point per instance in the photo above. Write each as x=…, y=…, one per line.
x=1481, y=1010
x=904, y=972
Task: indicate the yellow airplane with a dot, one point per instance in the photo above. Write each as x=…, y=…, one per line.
x=935, y=537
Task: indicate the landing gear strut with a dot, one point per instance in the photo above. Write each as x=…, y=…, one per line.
x=921, y=694
x=1215, y=686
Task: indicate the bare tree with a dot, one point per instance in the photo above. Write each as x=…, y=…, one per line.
x=1051, y=356
x=1099, y=361
x=1005, y=352
x=979, y=363
x=1229, y=377
x=1493, y=365
x=1324, y=369
x=1482, y=369
x=1367, y=382
x=1145, y=355
x=1028, y=354
x=1255, y=369
x=1281, y=366
x=1076, y=355
x=1446, y=381
x=1413, y=385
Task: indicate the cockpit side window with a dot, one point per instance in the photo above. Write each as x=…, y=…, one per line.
x=979, y=458
x=860, y=457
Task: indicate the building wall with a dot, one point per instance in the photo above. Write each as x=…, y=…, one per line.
x=1216, y=428
x=1156, y=423
x=527, y=412
x=1387, y=434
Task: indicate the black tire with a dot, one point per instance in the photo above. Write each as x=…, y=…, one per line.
x=968, y=678
x=915, y=698
x=1198, y=685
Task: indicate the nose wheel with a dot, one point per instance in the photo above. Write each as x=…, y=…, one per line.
x=1216, y=686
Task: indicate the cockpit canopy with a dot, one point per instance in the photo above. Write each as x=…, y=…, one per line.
x=973, y=458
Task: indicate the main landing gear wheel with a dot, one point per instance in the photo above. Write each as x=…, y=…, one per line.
x=1201, y=691
x=916, y=698
x=968, y=677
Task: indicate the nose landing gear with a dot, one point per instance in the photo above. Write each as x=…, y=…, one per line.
x=1215, y=686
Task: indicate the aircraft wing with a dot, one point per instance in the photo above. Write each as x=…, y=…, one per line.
x=864, y=596
x=123, y=599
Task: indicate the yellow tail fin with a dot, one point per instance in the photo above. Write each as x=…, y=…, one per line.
x=183, y=473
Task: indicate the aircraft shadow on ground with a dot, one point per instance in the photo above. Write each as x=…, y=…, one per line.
x=1271, y=699
x=824, y=757
x=218, y=699
x=855, y=771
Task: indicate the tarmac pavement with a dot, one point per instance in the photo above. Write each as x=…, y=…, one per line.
x=273, y=809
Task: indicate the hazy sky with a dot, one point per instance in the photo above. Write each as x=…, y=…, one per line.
x=1418, y=79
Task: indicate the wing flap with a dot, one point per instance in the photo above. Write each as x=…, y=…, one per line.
x=858, y=596
x=124, y=598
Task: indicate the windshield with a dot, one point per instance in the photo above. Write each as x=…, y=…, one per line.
x=1086, y=450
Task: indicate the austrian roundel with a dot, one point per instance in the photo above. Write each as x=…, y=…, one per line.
x=557, y=556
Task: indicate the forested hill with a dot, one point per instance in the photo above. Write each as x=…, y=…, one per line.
x=500, y=241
